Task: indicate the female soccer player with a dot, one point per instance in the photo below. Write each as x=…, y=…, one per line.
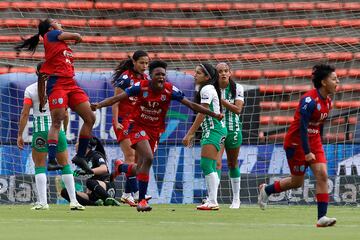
x=214, y=131
x=100, y=191
x=126, y=74
x=62, y=90
x=153, y=100
x=303, y=145
x=41, y=126
x=233, y=101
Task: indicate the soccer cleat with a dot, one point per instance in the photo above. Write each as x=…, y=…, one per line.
x=205, y=200
x=76, y=206
x=53, y=165
x=99, y=202
x=235, y=204
x=128, y=199
x=326, y=222
x=208, y=207
x=262, y=197
x=111, y=202
x=39, y=206
x=116, y=171
x=143, y=206
x=82, y=163
x=136, y=197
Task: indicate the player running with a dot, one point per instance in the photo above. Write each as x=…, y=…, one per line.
x=303, y=144
x=61, y=88
x=153, y=101
x=126, y=74
x=214, y=130
x=232, y=95
x=41, y=126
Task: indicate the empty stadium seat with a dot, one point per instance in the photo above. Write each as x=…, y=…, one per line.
x=297, y=88
x=276, y=73
x=122, y=39
x=271, y=89
x=295, y=23
x=135, y=6
x=95, y=39
x=226, y=56
x=107, y=5
x=184, y=23
x=217, y=6
x=101, y=23
x=177, y=40
x=268, y=105
x=206, y=41
x=156, y=23
x=282, y=56
x=9, y=39
x=128, y=23
x=289, y=40
x=288, y=105
x=244, y=23
x=192, y=7
x=24, y=5
x=265, y=120
x=162, y=6
x=248, y=74
x=324, y=23
x=149, y=40
x=78, y=5
x=347, y=104
x=74, y=22
x=282, y=120
x=254, y=56
x=51, y=5
x=246, y=6
x=300, y=6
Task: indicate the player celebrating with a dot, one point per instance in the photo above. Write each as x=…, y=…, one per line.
x=100, y=191
x=303, y=145
x=126, y=74
x=153, y=100
x=41, y=126
x=232, y=95
x=214, y=131
x=62, y=90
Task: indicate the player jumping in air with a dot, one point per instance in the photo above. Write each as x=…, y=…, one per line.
x=126, y=74
x=303, y=144
x=61, y=88
x=41, y=126
x=153, y=101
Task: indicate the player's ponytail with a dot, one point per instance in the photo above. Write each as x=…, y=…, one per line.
x=127, y=64
x=321, y=72
x=31, y=43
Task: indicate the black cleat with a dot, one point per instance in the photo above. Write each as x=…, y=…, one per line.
x=82, y=163
x=53, y=165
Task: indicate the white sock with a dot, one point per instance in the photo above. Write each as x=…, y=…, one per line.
x=235, y=186
x=212, y=180
x=41, y=184
x=70, y=186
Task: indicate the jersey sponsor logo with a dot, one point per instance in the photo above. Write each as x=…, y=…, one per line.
x=318, y=106
x=163, y=98
x=205, y=96
x=54, y=101
x=313, y=131
x=40, y=142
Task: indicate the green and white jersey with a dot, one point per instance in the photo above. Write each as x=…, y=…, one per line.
x=42, y=120
x=232, y=120
x=209, y=96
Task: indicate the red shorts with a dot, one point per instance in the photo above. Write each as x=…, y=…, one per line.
x=138, y=134
x=122, y=134
x=296, y=159
x=63, y=92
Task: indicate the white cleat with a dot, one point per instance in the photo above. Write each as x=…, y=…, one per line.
x=235, y=204
x=326, y=222
x=205, y=200
x=127, y=198
x=75, y=206
x=39, y=206
x=262, y=197
x=208, y=207
x=136, y=197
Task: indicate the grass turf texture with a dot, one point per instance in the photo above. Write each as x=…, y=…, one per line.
x=175, y=222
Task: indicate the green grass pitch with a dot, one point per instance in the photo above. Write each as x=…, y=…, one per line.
x=175, y=222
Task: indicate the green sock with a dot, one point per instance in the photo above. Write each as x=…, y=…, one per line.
x=66, y=170
x=234, y=172
x=39, y=170
x=206, y=165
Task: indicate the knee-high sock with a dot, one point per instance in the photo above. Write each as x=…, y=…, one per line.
x=143, y=180
x=41, y=184
x=52, y=147
x=94, y=186
x=81, y=200
x=273, y=188
x=212, y=182
x=69, y=182
x=322, y=204
x=235, y=182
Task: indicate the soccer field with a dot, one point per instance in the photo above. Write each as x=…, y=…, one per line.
x=175, y=222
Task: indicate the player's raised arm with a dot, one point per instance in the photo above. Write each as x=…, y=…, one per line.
x=109, y=101
x=201, y=109
x=63, y=36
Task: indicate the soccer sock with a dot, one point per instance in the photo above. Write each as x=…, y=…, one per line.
x=126, y=168
x=52, y=147
x=212, y=180
x=81, y=200
x=83, y=144
x=322, y=204
x=40, y=181
x=207, y=165
x=127, y=185
x=69, y=182
x=143, y=180
x=133, y=184
x=273, y=188
x=94, y=186
x=235, y=182
x=218, y=171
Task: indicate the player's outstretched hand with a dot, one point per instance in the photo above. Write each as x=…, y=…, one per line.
x=309, y=157
x=188, y=140
x=220, y=116
x=94, y=106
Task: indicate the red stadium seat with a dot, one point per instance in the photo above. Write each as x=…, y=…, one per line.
x=205, y=41
x=317, y=40
x=332, y=137
x=95, y=39
x=226, y=56
x=353, y=120
x=301, y=72
x=162, y=6
x=342, y=72
x=354, y=72
x=129, y=23
x=268, y=105
x=236, y=41
x=51, y=5
x=297, y=88
x=149, y=40
x=329, y=6
x=177, y=40
x=24, y=5
x=277, y=137
x=276, y=73
x=261, y=41
x=246, y=6
x=4, y=70
x=17, y=22
x=324, y=23
x=184, y=23
x=349, y=87
x=261, y=23
x=9, y=39
x=170, y=56
x=338, y=121
x=281, y=56
x=101, y=22
x=254, y=56
x=113, y=55
x=349, y=23
x=74, y=22
x=122, y=39
x=217, y=6
x=272, y=6
x=210, y=23
x=107, y=5
x=136, y=6
x=271, y=89
x=282, y=120
x=310, y=56
x=197, y=56
x=340, y=56
x=346, y=40
x=22, y=70
x=299, y=6
x=8, y=55
x=156, y=23
x=86, y=55
x=190, y=7
x=351, y=6
x=78, y=5
x=288, y=105
x=244, y=23
x=347, y=104
x=248, y=74
x=296, y=23
x=5, y=5
x=265, y=120
x=289, y=40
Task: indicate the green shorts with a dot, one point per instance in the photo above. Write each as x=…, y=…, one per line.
x=214, y=137
x=39, y=141
x=233, y=139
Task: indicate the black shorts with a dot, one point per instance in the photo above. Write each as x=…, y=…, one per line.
x=110, y=189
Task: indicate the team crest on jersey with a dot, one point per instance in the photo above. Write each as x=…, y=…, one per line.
x=60, y=100
x=131, y=82
x=222, y=140
x=40, y=142
x=318, y=106
x=163, y=98
x=145, y=94
x=308, y=99
x=141, y=133
x=125, y=76
x=54, y=101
